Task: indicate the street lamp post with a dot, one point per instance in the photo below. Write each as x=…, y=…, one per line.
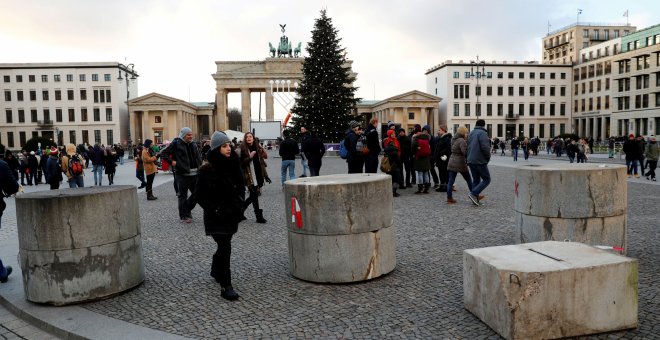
x=128, y=70
x=475, y=65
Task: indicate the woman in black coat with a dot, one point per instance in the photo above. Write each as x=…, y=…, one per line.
x=221, y=192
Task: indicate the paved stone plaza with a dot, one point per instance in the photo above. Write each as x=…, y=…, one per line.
x=422, y=298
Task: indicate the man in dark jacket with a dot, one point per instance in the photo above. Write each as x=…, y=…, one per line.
x=288, y=151
x=478, y=156
x=186, y=159
x=441, y=155
x=314, y=151
x=371, y=159
x=8, y=186
x=98, y=161
x=304, y=136
x=633, y=154
x=355, y=157
x=406, y=154
x=33, y=165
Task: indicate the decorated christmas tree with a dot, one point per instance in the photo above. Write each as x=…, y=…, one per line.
x=326, y=93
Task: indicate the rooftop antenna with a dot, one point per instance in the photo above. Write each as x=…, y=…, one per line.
x=549, y=27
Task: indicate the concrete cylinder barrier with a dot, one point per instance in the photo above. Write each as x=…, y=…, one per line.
x=78, y=245
x=340, y=227
x=584, y=203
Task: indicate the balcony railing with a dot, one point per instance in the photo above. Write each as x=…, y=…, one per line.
x=45, y=122
x=511, y=116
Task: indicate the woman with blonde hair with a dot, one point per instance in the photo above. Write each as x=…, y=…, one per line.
x=458, y=162
x=254, y=172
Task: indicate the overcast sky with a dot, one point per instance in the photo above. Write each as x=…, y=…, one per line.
x=174, y=44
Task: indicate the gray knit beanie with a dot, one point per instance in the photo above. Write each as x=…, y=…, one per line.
x=217, y=139
x=184, y=132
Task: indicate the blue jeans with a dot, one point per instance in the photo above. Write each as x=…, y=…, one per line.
x=526, y=153
x=98, y=172
x=480, y=178
x=514, y=151
x=631, y=166
x=121, y=160
x=303, y=161
x=452, y=179
x=3, y=270
x=288, y=165
x=76, y=182
x=423, y=177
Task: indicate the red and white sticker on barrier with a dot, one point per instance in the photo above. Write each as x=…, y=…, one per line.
x=296, y=215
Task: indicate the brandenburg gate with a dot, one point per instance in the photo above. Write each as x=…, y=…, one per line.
x=252, y=76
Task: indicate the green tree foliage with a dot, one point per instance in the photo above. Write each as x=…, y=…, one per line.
x=326, y=93
x=33, y=143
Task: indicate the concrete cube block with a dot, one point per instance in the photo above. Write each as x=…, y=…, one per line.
x=550, y=289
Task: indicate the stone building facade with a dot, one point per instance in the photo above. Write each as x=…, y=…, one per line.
x=514, y=98
x=67, y=102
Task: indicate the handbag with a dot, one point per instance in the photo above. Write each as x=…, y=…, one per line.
x=385, y=165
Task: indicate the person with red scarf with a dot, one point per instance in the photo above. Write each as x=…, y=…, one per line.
x=392, y=150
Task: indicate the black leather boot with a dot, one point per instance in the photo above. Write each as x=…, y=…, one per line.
x=260, y=216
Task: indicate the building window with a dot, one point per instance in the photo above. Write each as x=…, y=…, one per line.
x=489, y=90
x=542, y=75
x=33, y=115
x=56, y=77
x=97, y=114
x=19, y=95
x=10, y=116
x=72, y=115
x=500, y=109
x=10, y=139
x=532, y=75
x=7, y=95
x=552, y=75
x=108, y=114
x=69, y=77
x=72, y=137
x=31, y=78
x=21, y=116
x=461, y=91
x=542, y=109
x=562, y=91
x=83, y=115
x=58, y=115
x=552, y=109
x=7, y=79
x=510, y=112
x=97, y=136
x=500, y=75
x=521, y=75
x=85, y=136
x=489, y=109
x=552, y=90
x=511, y=91
x=157, y=119
x=47, y=116
x=58, y=94
x=541, y=130
x=456, y=74
x=457, y=108
x=532, y=91
x=563, y=75
x=95, y=77
x=531, y=109
x=106, y=77
x=510, y=75
x=477, y=90
x=44, y=94
x=411, y=115
x=33, y=95
x=467, y=75
x=44, y=78
x=81, y=77
x=19, y=78
x=478, y=108
x=541, y=90
x=521, y=91
x=109, y=137
x=69, y=94
x=521, y=109
x=562, y=109
x=467, y=109
x=83, y=94
x=500, y=91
